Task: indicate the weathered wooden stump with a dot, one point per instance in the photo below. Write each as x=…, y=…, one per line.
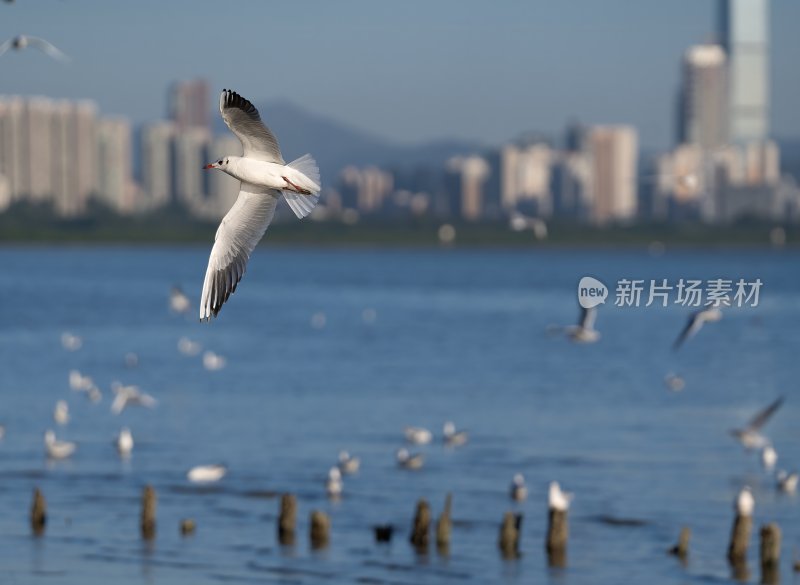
x=509, y=535
x=188, y=527
x=557, y=536
x=681, y=549
x=444, y=526
x=148, y=522
x=740, y=539
x=287, y=520
x=770, y=553
x=38, y=513
x=320, y=529
x=421, y=528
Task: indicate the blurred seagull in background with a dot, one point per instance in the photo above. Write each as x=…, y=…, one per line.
x=453, y=438
x=129, y=396
x=57, y=449
x=557, y=499
x=20, y=42
x=347, y=463
x=744, y=502
x=188, y=347
x=584, y=331
x=178, y=301
x=674, y=382
x=695, y=323
x=264, y=177
x=787, y=482
x=207, y=473
x=418, y=435
x=750, y=436
x=80, y=383
x=213, y=362
x=71, y=342
x=408, y=461
x=334, y=485
x=518, y=491
x=124, y=442
x=61, y=412
x=769, y=457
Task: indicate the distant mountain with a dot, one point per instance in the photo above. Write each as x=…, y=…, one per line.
x=336, y=145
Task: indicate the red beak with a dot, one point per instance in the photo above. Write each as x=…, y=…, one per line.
x=208, y=166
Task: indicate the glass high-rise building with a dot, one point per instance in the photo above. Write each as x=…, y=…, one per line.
x=744, y=34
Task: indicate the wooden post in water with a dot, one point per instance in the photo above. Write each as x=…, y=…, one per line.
x=509, y=535
x=188, y=527
x=740, y=538
x=443, y=527
x=770, y=553
x=148, y=522
x=681, y=549
x=421, y=528
x=287, y=520
x=557, y=536
x=38, y=513
x=320, y=529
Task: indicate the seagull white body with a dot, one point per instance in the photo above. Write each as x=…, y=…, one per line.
x=124, y=442
x=207, y=473
x=695, y=323
x=584, y=331
x=347, y=463
x=334, y=485
x=452, y=437
x=750, y=437
x=744, y=502
x=129, y=396
x=265, y=177
x=408, y=461
x=769, y=457
x=71, y=342
x=61, y=412
x=57, y=449
x=787, y=482
x=178, y=301
x=418, y=435
x=188, y=347
x=518, y=491
x=20, y=42
x=557, y=499
x=213, y=362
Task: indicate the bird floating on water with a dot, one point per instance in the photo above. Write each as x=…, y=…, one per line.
x=674, y=382
x=518, y=491
x=584, y=331
x=557, y=499
x=21, y=42
x=129, y=396
x=418, y=435
x=787, y=482
x=334, y=485
x=61, y=412
x=71, y=342
x=188, y=347
x=750, y=437
x=769, y=457
x=56, y=449
x=178, y=301
x=124, y=442
x=347, y=463
x=207, y=473
x=452, y=437
x=265, y=177
x=213, y=362
x=695, y=323
x=408, y=461
x=80, y=383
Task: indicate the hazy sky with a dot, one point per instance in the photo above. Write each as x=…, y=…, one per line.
x=408, y=70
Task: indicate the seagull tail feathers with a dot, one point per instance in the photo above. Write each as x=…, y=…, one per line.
x=307, y=177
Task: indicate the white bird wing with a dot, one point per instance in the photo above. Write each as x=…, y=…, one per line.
x=237, y=236
x=48, y=48
x=120, y=400
x=6, y=46
x=243, y=119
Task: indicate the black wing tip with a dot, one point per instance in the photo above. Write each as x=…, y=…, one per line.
x=231, y=99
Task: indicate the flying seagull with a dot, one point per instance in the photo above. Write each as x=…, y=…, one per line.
x=584, y=331
x=695, y=323
x=264, y=178
x=750, y=436
x=20, y=42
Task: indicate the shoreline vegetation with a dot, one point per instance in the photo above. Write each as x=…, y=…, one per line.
x=39, y=225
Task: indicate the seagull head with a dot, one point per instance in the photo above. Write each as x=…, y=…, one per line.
x=220, y=164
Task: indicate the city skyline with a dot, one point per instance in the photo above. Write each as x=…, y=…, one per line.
x=536, y=67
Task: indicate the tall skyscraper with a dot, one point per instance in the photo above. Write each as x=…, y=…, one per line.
x=157, y=162
x=703, y=117
x=614, y=153
x=744, y=34
x=191, y=148
x=189, y=104
x=114, y=164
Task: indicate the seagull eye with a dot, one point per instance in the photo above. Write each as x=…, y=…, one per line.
x=219, y=162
